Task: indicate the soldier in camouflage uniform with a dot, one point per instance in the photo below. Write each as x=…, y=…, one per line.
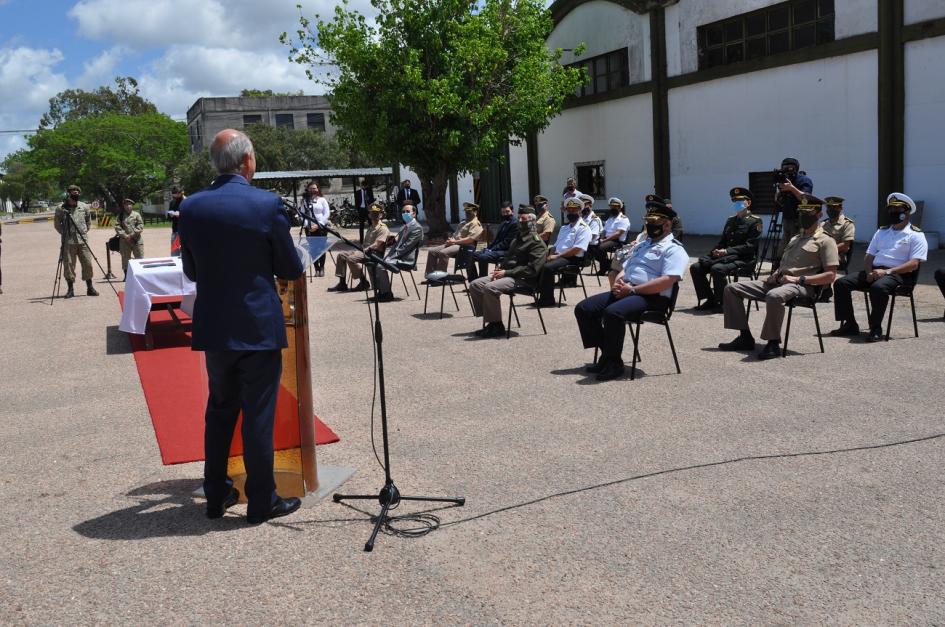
x=72, y=221
x=129, y=228
x=736, y=249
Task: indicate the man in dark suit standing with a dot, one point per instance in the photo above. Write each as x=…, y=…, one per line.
x=234, y=238
x=406, y=194
x=363, y=198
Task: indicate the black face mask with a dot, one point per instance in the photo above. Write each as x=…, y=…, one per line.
x=470, y=217
x=573, y=217
x=807, y=219
x=834, y=213
x=615, y=212
x=654, y=231
x=585, y=212
x=523, y=228
x=507, y=218
x=894, y=215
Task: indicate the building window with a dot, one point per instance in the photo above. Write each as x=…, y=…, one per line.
x=590, y=178
x=196, y=144
x=315, y=121
x=605, y=72
x=249, y=120
x=285, y=120
x=775, y=29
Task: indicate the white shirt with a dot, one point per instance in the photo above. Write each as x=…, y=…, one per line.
x=891, y=248
x=619, y=223
x=320, y=209
x=577, y=236
x=595, y=225
x=650, y=261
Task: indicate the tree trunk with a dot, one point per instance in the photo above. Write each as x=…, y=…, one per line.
x=434, y=202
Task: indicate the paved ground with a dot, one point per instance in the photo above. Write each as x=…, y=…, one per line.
x=807, y=489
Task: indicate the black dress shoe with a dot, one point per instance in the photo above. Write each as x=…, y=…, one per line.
x=770, y=351
x=598, y=367
x=215, y=510
x=876, y=335
x=383, y=297
x=494, y=329
x=847, y=328
x=546, y=303
x=613, y=370
x=341, y=287
x=361, y=286
x=706, y=305
x=283, y=507
x=740, y=343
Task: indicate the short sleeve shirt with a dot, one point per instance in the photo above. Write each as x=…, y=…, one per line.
x=891, y=248
x=375, y=234
x=545, y=224
x=809, y=254
x=595, y=225
x=569, y=237
x=842, y=231
x=651, y=260
x=621, y=222
x=472, y=228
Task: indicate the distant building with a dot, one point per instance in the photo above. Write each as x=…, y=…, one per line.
x=208, y=116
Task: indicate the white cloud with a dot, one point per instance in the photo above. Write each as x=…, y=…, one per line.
x=28, y=79
x=100, y=70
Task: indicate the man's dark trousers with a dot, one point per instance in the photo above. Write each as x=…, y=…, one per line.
x=720, y=268
x=247, y=380
x=602, y=319
x=880, y=290
x=483, y=258
x=548, y=272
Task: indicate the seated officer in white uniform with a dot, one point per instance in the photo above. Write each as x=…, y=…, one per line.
x=570, y=247
x=591, y=219
x=895, y=251
x=644, y=283
x=614, y=234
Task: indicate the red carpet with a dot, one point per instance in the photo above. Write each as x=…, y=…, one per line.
x=174, y=381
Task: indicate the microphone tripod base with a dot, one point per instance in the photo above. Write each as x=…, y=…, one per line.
x=389, y=497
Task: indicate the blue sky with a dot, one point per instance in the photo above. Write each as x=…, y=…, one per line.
x=179, y=50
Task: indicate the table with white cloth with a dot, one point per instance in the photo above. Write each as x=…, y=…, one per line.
x=154, y=278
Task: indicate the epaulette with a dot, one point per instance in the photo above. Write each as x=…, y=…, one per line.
x=915, y=228
x=849, y=219
x=884, y=227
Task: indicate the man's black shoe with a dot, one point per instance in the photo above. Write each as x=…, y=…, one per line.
x=90, y=290
x=613, y=370
x=876, y=335
x=847, y=328
x=69, y=292
x=283, y=507
x=598, y=367
x=361, y=286
x=383, y=297
x=740, y=343
x=546, y=303
x=494, y=329
x=341, y=287
x=707, y=305
x=770, y=351
x=215, y=510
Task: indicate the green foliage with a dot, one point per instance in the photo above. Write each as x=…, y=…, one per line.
x=113, y=155
x=73, y=104
x=21, y=183
x=264, y=93
x=194, y=172
x=439, y=85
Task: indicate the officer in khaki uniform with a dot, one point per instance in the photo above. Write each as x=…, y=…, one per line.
x=809, y=259
x=375, y=240
x=545, y=222
x=129, y=229
x=463, y=242
x=736, y=249
x=520, y=267
x=839, y=226
x=73, y=243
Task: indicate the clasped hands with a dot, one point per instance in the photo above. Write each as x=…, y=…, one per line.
x=781, y=279
x=876, y=273
x=621, y=288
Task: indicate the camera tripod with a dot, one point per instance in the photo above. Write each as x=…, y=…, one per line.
x=67, y=228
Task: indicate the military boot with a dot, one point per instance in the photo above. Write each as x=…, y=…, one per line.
x=89, y=290
x=69, y=292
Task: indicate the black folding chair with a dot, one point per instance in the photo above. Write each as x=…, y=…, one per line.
x=447, y=281
x=569, y=271
x=654, y=316
x=523, y=291
x=409, y=269
x=801, y=301
x=904, y=290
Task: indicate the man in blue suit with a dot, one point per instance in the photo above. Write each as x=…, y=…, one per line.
x=234, y=238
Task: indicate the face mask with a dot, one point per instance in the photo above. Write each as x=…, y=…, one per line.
x=570, y=188
x=615, y=212
x=573, y=217
x=738, y=205
x=834, y=213
x=541, y=209
x=893, y=215
x=407, y=217
x=523, y=228
x=507, y=217
x=807, y=219
x=585, y=212
x=654, y=231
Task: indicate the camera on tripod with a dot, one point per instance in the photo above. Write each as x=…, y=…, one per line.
x=783, y=176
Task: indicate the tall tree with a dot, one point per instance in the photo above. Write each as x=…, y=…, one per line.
x=263, y=93
x=438, y=85
x=73, y=104
x=116, y=156
x=22, y=183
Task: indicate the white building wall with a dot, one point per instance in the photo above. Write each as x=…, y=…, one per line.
x=619, y=132
x=853, y=17
x=518, y=169
x=605, y=26
x=925, y=129
x=921, y=10
x=822, y=112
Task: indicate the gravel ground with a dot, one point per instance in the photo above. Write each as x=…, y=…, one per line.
x=800, y=490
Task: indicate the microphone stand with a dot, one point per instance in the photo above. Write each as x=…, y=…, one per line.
x=389, y=496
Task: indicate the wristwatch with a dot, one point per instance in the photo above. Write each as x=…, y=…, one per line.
x=802, y=281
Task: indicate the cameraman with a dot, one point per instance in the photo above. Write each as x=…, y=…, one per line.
x=791, y=189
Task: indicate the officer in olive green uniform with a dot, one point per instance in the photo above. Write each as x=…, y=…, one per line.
x=736, y=249
x=464, y=240
x=809, y=259
x=545, y=222
x=72, y=221
x=520, y=267
x=375, y=240
x=129, y=229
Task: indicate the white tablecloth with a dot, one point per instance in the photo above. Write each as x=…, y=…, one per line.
x=152, y=277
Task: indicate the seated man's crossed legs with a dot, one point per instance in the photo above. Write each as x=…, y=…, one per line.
x=775, y=297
